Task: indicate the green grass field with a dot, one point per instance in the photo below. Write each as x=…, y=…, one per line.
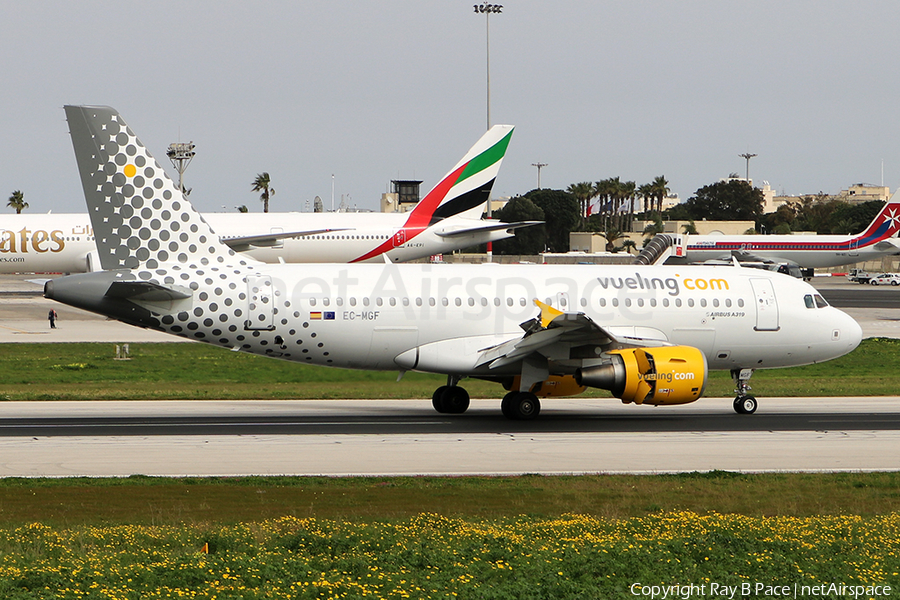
x=198, y=371
x=470, y=537
x=420, y=537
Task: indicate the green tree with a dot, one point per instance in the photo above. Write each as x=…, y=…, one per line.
x=263, y=183
x=612, y=235
x=17, y=201
x=660, y=188
x=730, y=200
x=654, y=227
x=629, y=194
x=561, y=215
x=854, y=218
x=528, y=240
x=583, y=193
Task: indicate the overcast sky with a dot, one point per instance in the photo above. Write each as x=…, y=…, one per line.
x=377, y=90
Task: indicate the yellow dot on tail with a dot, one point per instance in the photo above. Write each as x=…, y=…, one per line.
x=130, y=170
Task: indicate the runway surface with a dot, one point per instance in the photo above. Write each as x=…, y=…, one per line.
x=406, y=437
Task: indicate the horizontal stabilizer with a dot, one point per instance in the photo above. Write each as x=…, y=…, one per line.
x=147, y=291
x=488, y=226
x=887, y=245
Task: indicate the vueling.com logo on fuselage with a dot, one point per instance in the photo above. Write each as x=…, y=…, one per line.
x=670, y=284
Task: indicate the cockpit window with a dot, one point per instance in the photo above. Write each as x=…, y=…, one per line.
x=808, y=299
x=820, y=301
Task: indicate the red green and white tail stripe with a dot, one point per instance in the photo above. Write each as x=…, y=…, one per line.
x=464, y=191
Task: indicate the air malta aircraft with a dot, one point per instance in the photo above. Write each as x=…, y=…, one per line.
x=649, y=334
x=448, y=218
x=808, y=252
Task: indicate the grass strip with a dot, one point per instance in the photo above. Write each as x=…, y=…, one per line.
x=199, y=371
x=142, y=500
x=432, y=556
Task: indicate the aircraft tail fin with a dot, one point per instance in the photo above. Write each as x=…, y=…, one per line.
x=885, y=225
x=467, y=187
x=140, y=217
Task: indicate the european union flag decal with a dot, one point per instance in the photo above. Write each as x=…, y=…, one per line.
x=329, y=316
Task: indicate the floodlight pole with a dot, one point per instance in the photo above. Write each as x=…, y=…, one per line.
x=487, y=9
x=181, y=155
x=539, y=166
x=747, y=156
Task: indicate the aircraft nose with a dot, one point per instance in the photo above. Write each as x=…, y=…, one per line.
x=848, y=331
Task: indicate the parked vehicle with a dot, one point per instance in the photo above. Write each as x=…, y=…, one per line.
x=886, y=279
x=859, y=276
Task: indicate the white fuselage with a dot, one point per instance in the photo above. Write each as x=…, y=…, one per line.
x=820, y=251
x=64, y=243
x=367, y=316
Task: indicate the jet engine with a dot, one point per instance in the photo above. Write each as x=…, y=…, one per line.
x=657, y=376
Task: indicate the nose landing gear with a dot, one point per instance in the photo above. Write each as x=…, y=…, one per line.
x=744, y=403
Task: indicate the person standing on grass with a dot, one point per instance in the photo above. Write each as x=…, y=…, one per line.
x=53, y=317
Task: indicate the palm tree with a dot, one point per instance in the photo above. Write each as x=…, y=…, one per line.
x=583, y=192
x=261, y=184
x=615, y=195
x=612, y=235
x=648, y=195
x=628, y=194
x=603, y=190
x=661, y=191
x=654, y=227
x=17, y=201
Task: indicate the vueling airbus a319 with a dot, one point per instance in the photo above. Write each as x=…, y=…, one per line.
x=648, y=334
x=448, y=218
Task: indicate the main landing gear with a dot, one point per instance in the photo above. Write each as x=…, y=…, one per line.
x=744, y=403
x=450, y=398
x=520, y=406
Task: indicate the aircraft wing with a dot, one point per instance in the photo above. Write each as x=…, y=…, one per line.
x=243, y=243
x=555, y=334
x=488, y=226
x=744, y=256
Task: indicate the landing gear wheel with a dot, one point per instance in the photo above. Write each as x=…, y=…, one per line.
x=437, y=398
x=745, y=405
x=455, y=400
x=520, y=406
x=506, y=404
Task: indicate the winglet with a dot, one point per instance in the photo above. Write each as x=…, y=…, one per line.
x=548, y=313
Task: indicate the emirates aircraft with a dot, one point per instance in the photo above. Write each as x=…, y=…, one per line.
x=448, y=218
x=878, y=240
x=649, y=334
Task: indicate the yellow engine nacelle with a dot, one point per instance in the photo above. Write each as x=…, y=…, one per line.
x=555, y=385
x=664, y=375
